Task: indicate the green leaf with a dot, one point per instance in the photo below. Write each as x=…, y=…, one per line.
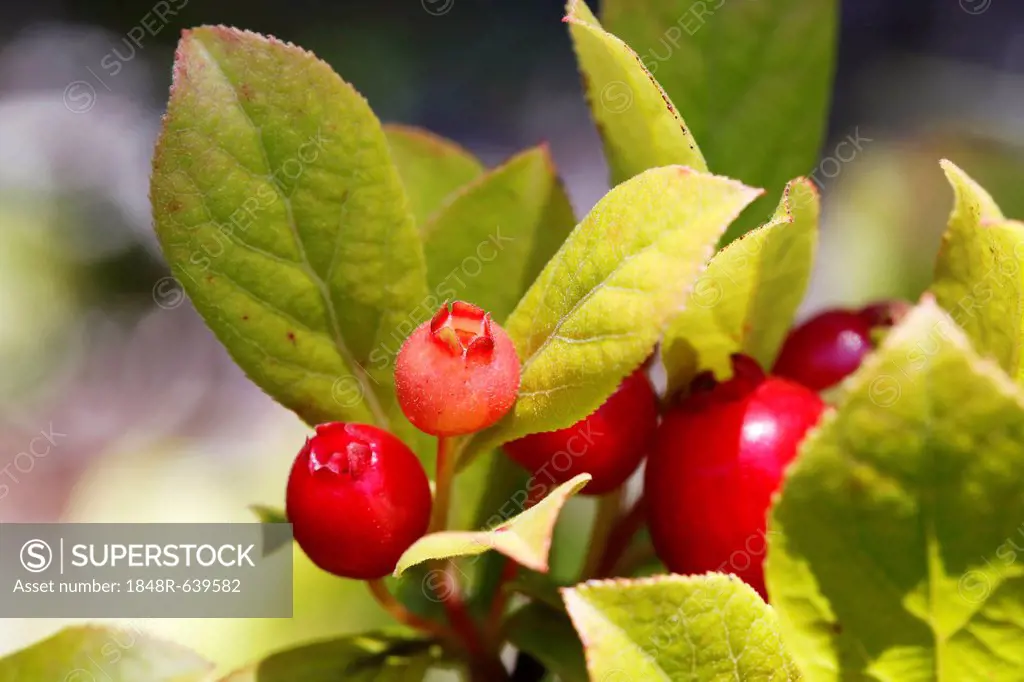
x=746, y=300
x=526, y=538
x=104, y=653
x=979, y=276
x=371, y=657
x=281, y=214
x=492, y=237
x=891, y=551
x=602, y=302
x=548, y=636
x=430, y=166
x=538, y=587
x=268, y=514
x=638, y=124
x=753, y=79
x=712, y=627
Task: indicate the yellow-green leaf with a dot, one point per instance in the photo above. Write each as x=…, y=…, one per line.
x=491, y=238
x=892, y=551
x=602, y=302
x=708, y=628
x=746, y=300
x=104, y=653
x=979, y=276
x=431, y=167
x=279, y=210
x=525, y=538
x=638, y=124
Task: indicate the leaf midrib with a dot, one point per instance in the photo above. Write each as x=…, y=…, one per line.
x=367, y=389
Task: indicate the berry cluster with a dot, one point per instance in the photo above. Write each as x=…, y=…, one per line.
x=358, y=497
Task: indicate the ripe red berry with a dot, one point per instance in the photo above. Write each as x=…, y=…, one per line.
x=718, y=457
x=825, y=349
x=608, y=444
x=357, y=499
x=457, y=373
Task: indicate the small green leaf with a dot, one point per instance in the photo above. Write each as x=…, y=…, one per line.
x=753, y=79
x=638, y=124
x=268, y=514
x=430, y=166
x=491, y=238
x=979, y=276
x=102, y=653
x=548, y=636
x=370, y=657
x=712, y=627
x=525, y=538
x=892, y=550
x=281, y=214
x=601, y=303
x=746, y=300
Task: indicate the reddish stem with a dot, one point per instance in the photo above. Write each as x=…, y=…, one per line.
x=621, y=535
x=482, y=665
x=493, y=623
x=445, y=473
x=403, y=615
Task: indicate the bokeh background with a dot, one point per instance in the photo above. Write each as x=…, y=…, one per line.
x=141, y=414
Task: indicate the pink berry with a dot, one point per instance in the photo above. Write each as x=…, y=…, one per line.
x=457, y=373
x=827, y=348
x=357, y=499
x=608, y=444
x=718, y=457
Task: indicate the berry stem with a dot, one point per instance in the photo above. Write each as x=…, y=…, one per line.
x=483, y=667
x=608, y=507
x=632, y=560
x=618, y=540
x=443, y=484
x=406, y=617
x=493, y=624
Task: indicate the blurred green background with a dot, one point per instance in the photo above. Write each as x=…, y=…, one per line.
x=149, y=418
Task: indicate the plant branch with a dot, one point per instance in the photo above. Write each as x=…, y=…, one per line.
x=406, y=617
x=482, y=665
x=446, y=461
x=492, y=626
x=618, y=540
x=608, y=507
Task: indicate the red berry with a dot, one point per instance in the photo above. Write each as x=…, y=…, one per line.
x=457, y=373
x=827, y=348
x=357, y=499
x=608, y=444
x=718, y=457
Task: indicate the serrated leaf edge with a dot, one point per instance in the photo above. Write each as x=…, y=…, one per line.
x=574, y=596
x=571, y=18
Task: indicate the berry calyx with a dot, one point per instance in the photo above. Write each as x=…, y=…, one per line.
x=457, y=373
x=827, y=348
x=357, y=498
x=609, y=444
x=718, y=457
